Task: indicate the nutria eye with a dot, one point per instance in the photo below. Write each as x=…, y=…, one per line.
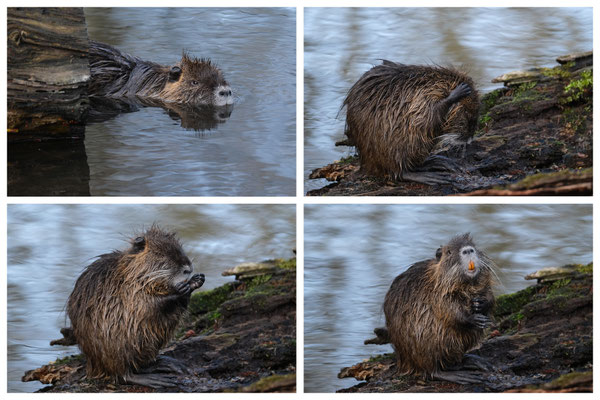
x=194, y=82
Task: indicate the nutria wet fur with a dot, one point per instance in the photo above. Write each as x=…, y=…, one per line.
x=395, y=113
x=437, y=309
x=126, y=305
x=192, y=81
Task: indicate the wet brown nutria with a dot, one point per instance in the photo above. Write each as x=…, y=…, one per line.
x=191, y=81
x=396, y=112
x=437, y=309
x=126, y=305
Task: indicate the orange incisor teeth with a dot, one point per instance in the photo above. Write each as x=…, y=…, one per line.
x=471, y=265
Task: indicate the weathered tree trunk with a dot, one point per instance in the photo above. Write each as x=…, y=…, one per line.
x=48, y=73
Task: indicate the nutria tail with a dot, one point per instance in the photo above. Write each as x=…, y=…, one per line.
x=109, y=68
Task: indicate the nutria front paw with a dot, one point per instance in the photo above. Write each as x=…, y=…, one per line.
x=196, y=281
x=480, y=321
x=460, y=92
x=183, y=288
x=478, y=304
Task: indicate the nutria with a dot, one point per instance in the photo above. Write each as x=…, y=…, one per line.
x=191, y=81
x=438, y=309
x=126, y=305
x=396, y=112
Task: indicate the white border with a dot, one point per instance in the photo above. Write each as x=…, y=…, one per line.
x=299, y=199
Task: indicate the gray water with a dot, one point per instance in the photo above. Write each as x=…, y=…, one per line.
x=251, y=153
x=353, y=252
x=49, y=245
x=341, y=44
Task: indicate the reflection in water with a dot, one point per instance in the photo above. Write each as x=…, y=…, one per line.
x=342, y=43
x=197, y=118
x=49, y=245
x=353, y=252
x=52, y=168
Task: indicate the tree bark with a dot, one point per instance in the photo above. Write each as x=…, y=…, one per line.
x=48, y=73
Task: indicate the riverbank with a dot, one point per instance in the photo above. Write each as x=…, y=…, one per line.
x=540, y=341
x=534, y=138
x=238, y=337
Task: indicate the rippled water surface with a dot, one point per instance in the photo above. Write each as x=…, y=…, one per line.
x=353, y=252
x=250, y=153
x=49, y=245
x=341, y=44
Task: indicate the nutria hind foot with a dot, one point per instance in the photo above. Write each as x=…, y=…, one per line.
x=463, y=373
x=472, y=362
x=166, y=365
x=460, y=377
x=154, y=381
x=437, y=162
x=426, y=178
x=475, y=362
x=435, y=170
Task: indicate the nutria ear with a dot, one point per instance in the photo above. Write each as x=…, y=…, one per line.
x=438, y=254
x=174, y=73
x=139, y=243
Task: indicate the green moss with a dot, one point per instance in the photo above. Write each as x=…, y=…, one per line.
x=569, y=379
x=585, y=269
x=490, y=99
x=574, y=120
x=204, y=302
x=559, y=284
x=348, y=160
x=484, y=122
x=516, y=317
x=532, y=180
x=507, y=304
x=560, y=72
x=526, y=93
x=68, y=359
x=286, y=264
x=265, y=384
x=577, y=88
x=258, y=281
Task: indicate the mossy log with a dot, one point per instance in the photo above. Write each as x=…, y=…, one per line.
x=48, y=73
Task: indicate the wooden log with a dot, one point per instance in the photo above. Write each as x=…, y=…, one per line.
x=48, y=73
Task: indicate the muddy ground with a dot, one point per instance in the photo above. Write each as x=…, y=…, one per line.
x=534, y=138
x=541, y=341
x=239, y=337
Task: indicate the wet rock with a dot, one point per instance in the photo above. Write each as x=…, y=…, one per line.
x=541, y=341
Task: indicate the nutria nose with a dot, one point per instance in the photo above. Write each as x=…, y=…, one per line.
x=468, y=250
x=225, y=93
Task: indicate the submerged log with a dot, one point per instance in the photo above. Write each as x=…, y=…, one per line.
x=47, y=72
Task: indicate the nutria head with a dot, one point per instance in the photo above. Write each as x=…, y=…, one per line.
x=156, y=258
x=461, y=261
x=197, y=82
